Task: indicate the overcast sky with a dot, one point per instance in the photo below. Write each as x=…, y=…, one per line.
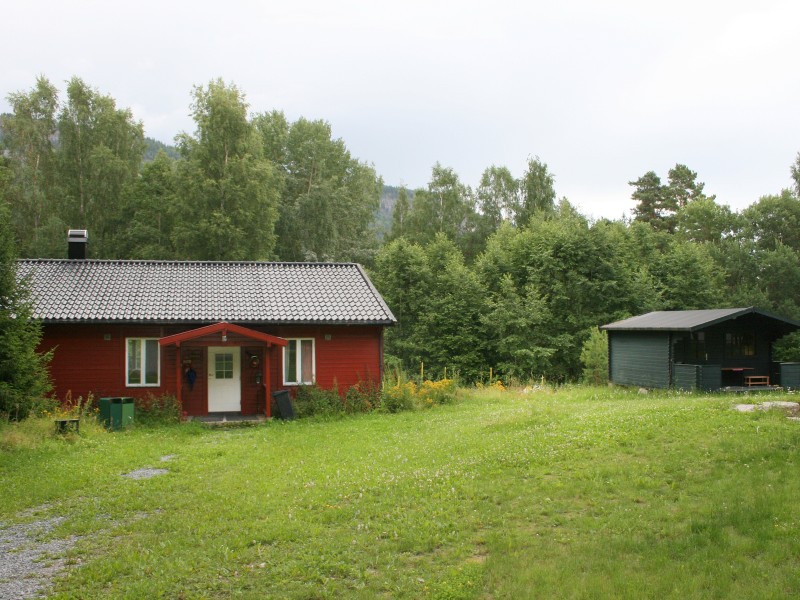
x=600, y=91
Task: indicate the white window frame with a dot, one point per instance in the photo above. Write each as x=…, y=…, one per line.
x=142, y=361
x=299, y=359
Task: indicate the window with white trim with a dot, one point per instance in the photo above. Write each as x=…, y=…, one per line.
x=299, y=362
x=142, y=356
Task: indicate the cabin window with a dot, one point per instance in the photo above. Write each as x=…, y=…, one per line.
x=690, y=348
x=739, y=345
x=696, y=347
x=142, y=362
x=298, y=362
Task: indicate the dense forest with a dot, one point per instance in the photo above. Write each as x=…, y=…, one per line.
x=505, y=275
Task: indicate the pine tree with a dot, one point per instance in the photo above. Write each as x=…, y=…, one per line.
x=650, y=200
x=24, y=380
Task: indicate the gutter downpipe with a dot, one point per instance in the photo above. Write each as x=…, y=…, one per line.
x=380, y=367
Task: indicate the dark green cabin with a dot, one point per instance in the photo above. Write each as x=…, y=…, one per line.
x=698, y=349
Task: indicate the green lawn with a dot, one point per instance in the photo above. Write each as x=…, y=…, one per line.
x=580, y=493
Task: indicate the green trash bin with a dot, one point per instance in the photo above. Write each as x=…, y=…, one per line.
x=105, y=412
x=121, y=412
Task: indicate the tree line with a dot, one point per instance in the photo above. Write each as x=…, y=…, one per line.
x=524, y=295
x=505, y=275
x=244, y=187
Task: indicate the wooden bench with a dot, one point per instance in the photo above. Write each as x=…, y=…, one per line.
x=64, y=425
x=751, y=380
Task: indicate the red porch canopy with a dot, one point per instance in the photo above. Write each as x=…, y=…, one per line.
x=224, y=329
x=224, y=334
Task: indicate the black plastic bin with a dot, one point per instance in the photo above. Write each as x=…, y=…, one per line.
x=285, y=407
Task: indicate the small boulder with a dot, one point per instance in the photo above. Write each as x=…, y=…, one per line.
x=791, y=407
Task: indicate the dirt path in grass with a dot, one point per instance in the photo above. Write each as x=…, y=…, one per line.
x=28, y=562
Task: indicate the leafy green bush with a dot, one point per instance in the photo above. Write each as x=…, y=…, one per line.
x=362, y=397
x=594, y=357
x=156, y=410
x=312, y=400
x=787, y=349
x=365, y=396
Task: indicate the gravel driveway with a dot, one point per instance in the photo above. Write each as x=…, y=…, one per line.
x=27, y=562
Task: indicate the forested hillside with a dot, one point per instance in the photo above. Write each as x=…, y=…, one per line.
x=153, y=147
x=503, y=275
x=389, y=197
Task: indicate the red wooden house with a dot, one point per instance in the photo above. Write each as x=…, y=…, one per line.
x=222, y=336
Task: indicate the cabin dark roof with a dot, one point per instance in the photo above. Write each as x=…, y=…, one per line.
x=192, y=292
x=688, y=320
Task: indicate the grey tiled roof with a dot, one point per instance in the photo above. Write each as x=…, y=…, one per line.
x=191, y=292
x=685, y=320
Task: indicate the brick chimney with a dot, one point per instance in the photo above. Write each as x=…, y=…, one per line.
x=77, y=239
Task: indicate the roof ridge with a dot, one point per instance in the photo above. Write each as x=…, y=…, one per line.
x=184, y=262
x=689, y=320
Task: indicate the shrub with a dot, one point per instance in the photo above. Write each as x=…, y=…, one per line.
x=787, y=349
x=594, y=357
x=362, y=397
x=312, y=400
x=398, y=397
x=154, y=410
x=365, y=396
x=437, y=392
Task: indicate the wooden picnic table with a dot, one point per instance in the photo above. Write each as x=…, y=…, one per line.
x=751, y=380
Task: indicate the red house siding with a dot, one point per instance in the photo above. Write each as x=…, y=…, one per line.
x=344, y=355
x=90, y=358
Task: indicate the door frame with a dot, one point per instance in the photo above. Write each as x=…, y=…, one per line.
x=232, y=401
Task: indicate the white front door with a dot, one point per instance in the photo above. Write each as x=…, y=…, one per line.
x=224, y=379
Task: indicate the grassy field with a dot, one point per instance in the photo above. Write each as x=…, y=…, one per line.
x=579, y=493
